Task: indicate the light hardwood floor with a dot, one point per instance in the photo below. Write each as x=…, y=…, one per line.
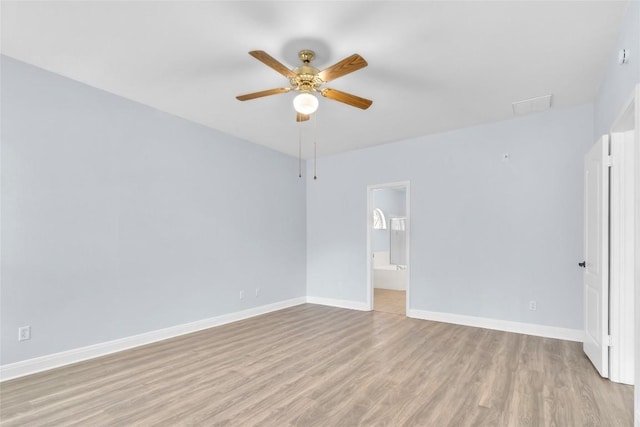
x=390, y=301
x=311, y=365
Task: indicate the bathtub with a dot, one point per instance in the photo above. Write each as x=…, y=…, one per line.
x=388, y=276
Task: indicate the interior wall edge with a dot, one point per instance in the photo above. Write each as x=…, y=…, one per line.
x=56, y=360
x=501, y=325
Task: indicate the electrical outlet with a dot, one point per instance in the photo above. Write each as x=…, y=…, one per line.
x=533, y=306
x=257, y=292
x=24, y=333
x=241, y=294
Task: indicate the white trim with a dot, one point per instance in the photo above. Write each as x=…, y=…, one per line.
x=500, y=325
x=621, y=325
x=340, y=303
x=50, y=361
x=637, y=258
x=408, y=243
x=369, y=252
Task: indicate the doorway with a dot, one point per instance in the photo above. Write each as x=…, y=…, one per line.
x=388, y=246
x=609, y=275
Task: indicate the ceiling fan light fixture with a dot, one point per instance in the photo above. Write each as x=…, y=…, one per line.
x=305, y=103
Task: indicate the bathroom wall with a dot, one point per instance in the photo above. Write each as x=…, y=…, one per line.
x=392, y=203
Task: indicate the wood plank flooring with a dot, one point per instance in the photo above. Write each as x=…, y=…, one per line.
x=311, y=365
x=390, y=301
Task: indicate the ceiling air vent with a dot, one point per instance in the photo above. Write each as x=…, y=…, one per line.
x=532, y=105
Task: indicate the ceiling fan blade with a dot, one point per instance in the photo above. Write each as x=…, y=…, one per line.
x=270, y=61
x=346, y=66
x=347, y=98
x=301, y=117
x=255, y=95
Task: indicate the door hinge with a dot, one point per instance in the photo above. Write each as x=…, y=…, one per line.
x=609, y=161
x=609, y=341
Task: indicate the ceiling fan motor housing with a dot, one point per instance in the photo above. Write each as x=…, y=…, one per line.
x=306, y=81
x=306, y=78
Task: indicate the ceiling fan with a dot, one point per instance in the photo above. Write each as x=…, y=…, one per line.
x=307, y=79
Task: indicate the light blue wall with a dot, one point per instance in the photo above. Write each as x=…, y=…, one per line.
x=118, y=219
x=619, y=80
x=487, y=235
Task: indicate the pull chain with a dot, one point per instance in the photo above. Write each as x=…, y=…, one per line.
x=299, y=149
x=315, y=145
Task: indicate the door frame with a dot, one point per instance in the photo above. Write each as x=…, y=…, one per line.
x=370, y=189
x=621, y=308
x=636, y=102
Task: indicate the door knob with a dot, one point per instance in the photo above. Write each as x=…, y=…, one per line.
x=582, y=264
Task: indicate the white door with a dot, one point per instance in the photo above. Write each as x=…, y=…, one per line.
x=596, y=250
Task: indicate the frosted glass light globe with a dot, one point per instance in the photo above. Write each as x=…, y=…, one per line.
x=305, y=103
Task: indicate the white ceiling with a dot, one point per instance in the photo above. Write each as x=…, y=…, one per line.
x=433, y=66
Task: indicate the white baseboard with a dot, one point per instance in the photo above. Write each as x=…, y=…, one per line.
x=50, y=361
x=340, y=303
x=43, y=363
x=500, y=325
